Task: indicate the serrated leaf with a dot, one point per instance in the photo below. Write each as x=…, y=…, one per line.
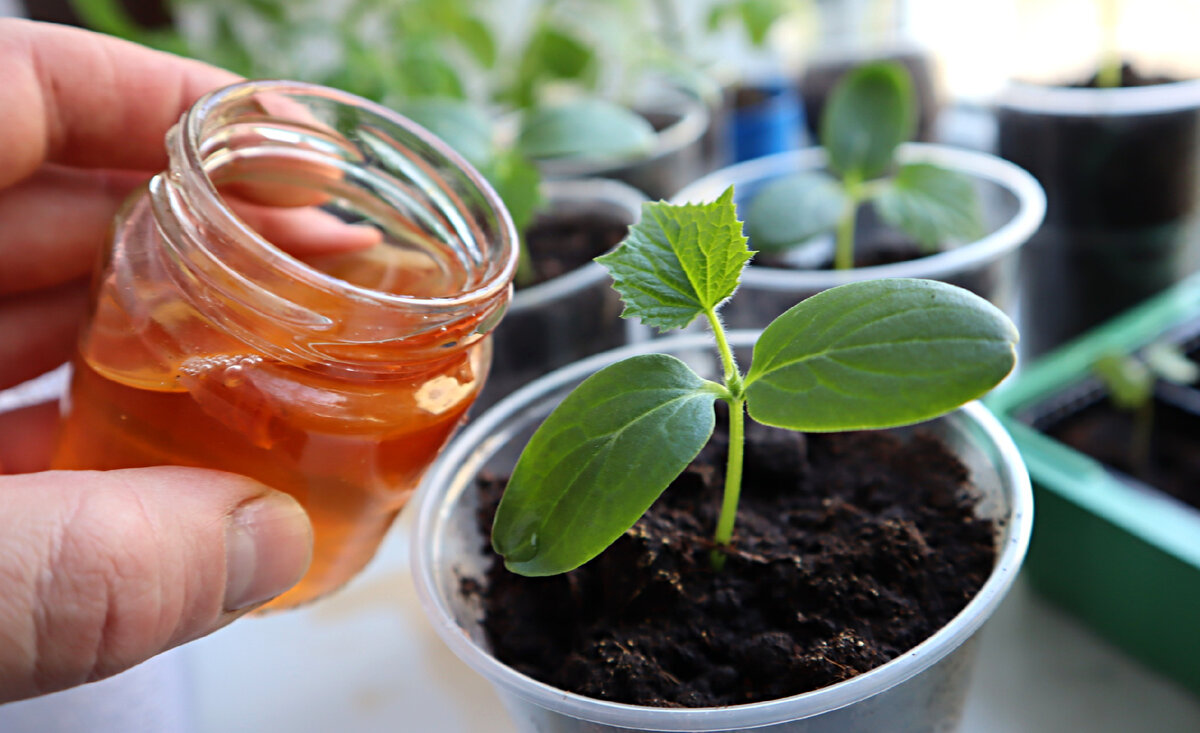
x=462, y=125
x=599, y=461
x=877, y=354
x=792, y=209
x=869, y=113
x=678, y=261
x=584, y=128
x=931, y=204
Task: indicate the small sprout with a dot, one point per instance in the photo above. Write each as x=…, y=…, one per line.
x=871, y=354
x=1130, y=378
x=1109, y=74
x=869, y=114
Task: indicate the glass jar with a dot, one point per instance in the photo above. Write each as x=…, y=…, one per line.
x=331, y=361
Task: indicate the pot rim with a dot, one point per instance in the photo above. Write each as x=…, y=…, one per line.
x=433, y=495
x=1042, y=99
x=620, y=195
x=1031, y=210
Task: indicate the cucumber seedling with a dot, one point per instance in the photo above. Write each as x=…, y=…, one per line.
x=1130, y=378
x=871, y=354
x=870, y=113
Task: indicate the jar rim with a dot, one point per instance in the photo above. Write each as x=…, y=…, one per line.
x=501, y=264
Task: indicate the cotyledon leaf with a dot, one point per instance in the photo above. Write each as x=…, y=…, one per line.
x=600, y=460
x=877, y=354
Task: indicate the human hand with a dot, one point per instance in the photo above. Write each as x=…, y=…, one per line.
x=102, y=570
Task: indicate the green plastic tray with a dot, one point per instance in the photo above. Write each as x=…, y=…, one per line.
x=1121, y=556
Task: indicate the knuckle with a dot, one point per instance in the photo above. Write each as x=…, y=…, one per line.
x=101, y=601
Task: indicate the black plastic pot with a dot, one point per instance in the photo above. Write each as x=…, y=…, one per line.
x=1121, y=171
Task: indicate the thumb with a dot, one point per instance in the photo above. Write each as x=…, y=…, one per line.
x=101, y=570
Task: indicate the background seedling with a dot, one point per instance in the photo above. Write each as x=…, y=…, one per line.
x=871, y=354
x=1109, y=74
x=1130, y=379
x=869, y=114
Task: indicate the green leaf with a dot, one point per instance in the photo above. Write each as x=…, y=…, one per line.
x=518, y=183
x=588, y=127
x=1168, y=361
x=678, y=261
x=876, y=354
x=550, y=54
x=426, y=72
x=932, y=205
x=869, y=113
x=599, y=461
x=792, y=209
x=463, y=125
x=1130, y=383
x=477, y=38
x=757, y=17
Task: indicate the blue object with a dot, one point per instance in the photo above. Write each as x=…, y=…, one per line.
x=774, y=125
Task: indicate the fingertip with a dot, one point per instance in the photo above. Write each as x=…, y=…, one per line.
x=268, y=546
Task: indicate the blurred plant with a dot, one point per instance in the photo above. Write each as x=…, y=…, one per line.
x=1130, y=379
x=1109, y=73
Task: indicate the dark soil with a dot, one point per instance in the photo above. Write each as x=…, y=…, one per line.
x=1106, y=434
x=884, y=249
x=850, y=549
x=559, y=244
x=746, y=97
x=887, y=248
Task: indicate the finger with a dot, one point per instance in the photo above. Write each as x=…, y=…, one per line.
x=38, y=331
x=80, y=98
x=27, y=438
x=54, y=223
x=306, y=231
x=82, y=204
x=103, y=570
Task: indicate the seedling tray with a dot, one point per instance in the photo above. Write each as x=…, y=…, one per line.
x=1119, y=554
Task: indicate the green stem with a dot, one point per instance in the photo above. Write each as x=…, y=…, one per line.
x=1109, y=75
x=843, y=254
x=737, y=440
x=525, y=272
x=733, y=472
x=733, y=378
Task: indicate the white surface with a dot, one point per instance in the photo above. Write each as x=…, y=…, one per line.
x=365, y=661
x=155, y=697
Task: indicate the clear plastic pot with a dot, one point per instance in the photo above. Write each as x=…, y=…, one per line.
x=923, y=689
x=1013, y=206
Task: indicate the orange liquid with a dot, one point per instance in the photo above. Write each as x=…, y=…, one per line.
x=351, y=449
